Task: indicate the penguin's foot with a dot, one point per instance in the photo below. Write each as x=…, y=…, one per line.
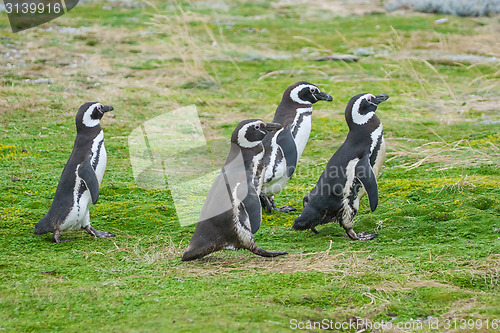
x=314, y=230
x=362, y=236
x=264, y=253
x=266, y=203
x=269, y=205
x=96, y=233
x=56, y=235
x=286, y=209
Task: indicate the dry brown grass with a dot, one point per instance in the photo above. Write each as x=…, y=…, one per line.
x=448, y=155
x=348, y=264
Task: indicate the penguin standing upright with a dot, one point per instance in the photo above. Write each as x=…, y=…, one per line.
x=354, y=166
x=285, y=147
x=232, y=212
x=79, y=183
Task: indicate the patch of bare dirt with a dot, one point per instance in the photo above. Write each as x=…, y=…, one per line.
x=339, y=7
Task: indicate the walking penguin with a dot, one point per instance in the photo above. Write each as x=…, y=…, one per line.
x=232, y=212
x=351, y=169
x=79, y=183
x=285, y=147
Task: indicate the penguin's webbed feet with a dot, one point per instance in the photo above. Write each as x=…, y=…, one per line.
x=96, y=233
x=362, y=236
x=269, y=205
x=56, y=235
x=286, y=209
x=266, y=203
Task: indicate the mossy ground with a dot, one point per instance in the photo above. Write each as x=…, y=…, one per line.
x=437, y=254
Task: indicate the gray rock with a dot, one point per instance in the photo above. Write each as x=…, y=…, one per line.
x=364, y=51
x=488, y=122
x=443, y=20
x=453, y=7
x=40, y=81
x=338, y=57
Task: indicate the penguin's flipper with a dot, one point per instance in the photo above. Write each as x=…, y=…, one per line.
x=366, y=176
x=253, y=209
x=287, y=144
x=87, y=174
x=220, y=196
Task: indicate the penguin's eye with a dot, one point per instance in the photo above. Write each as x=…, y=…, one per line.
x=257, y=127
x=99, y=107
x=313, y=90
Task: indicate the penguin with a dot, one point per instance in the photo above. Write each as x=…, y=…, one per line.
x=232, y=212
x=79, y=183
x=285, y=147
x=350, y=173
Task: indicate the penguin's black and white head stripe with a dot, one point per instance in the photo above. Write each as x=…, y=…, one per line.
x=361, y=108
x=249, y=133
x=90, y=114
x=305, y=93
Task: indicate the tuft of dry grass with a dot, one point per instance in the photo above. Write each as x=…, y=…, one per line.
x=194, y=48
x=447, y=154
x=150, y=250
x=348, y=264
x=460, y=185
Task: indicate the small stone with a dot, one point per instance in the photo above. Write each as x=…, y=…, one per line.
x=41, y=81
x=364, y=51
x=443, y=20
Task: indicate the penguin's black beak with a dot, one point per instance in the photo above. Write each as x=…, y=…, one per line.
x=270, y=127
x=321, y=96
x=380, y=98
x=107, y=108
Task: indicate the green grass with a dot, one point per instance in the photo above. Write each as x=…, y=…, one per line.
x=437, y=254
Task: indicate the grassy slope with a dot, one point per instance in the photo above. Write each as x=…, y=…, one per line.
x=437, y=254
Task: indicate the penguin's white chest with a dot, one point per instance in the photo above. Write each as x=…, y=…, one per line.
x=100, y=167
x=276, y=176
x=275, y=172
x=302, y=130
x=258, y=172
x=78, y=217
